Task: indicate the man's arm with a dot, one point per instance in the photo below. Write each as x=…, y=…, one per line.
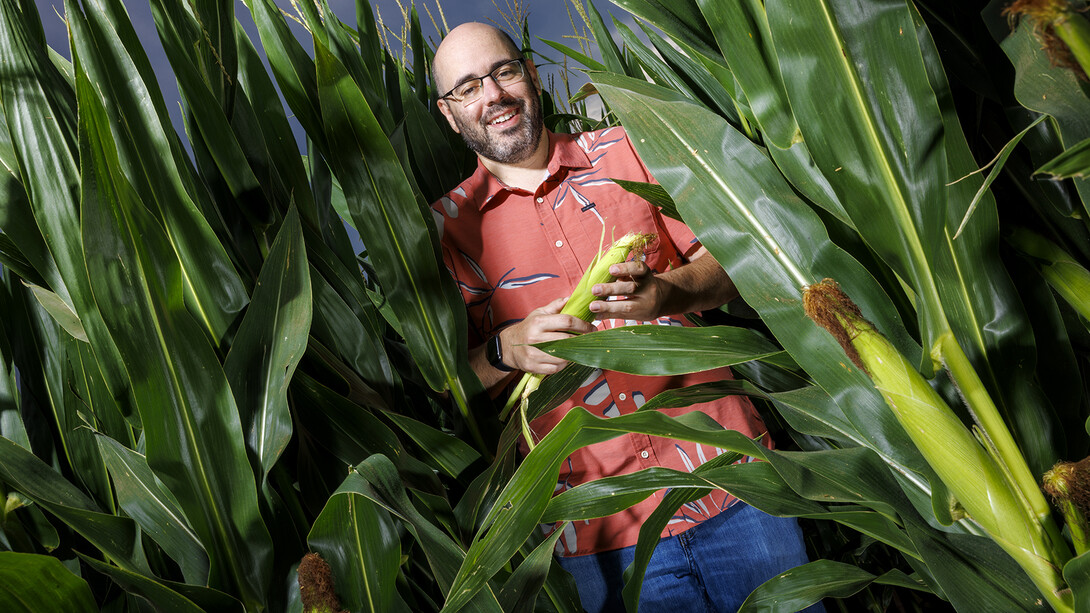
x=542, y=324
x=700, y=284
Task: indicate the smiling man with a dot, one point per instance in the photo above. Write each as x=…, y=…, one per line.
x=516, y=236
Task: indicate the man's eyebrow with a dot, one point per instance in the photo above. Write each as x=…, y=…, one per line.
x=495, y=65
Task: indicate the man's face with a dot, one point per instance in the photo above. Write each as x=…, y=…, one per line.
x=505, y=123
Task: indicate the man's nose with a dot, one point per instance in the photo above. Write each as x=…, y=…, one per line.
x=492, y=90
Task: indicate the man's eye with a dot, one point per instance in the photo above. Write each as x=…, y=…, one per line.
x=505, y=74
x=467, y=90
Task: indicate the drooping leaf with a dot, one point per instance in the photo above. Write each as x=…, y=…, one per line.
x=662, y=350
x=32, y=583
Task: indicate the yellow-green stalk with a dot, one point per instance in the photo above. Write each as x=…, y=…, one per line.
x=1063, y=31
x=578, y=305
x=966, y=468
x=1068, y=484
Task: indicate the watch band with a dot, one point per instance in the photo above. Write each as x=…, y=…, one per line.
x=494, y=353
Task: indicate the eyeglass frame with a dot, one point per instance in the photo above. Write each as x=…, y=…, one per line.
x=521, y=61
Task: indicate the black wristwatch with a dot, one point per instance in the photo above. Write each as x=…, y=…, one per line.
x=494, y=352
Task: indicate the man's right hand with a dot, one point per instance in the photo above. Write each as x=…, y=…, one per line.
x=542, y=324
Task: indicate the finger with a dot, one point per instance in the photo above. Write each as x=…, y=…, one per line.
x=553, y=307
x=629, y=269
x=561, y=323
x=613, y=309
x=617, y=288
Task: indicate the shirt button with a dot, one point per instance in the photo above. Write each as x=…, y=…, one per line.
x=622, y=396
x=540, y=200
x=559, y=243
x=644, y=454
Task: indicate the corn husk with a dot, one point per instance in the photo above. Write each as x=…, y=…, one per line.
x=967, y=468
x=578, y=305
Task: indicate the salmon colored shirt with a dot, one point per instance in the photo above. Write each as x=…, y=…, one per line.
x=512, y=251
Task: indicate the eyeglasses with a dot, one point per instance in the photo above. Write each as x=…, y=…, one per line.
x=470, y=90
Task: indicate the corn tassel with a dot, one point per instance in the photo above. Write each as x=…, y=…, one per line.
x=978, y=482
x=578, y=305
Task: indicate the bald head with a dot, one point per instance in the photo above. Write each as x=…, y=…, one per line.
x=463, y=44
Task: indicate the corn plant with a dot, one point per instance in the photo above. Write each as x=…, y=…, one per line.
x=201, y=395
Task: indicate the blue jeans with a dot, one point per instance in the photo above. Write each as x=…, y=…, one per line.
x=712, y=567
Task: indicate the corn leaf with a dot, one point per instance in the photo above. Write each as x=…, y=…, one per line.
x=269, y=344
x=394, y=225
x=168, y=596
x=154, y=508
x=359, y=540
x=741, y=31
x=116, y=536
x=662, y=350
x=809, y=583
x=882, y=159
x=183, y=396
x=1073, y=162
x=22, y=577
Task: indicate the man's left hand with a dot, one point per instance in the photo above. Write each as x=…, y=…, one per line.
x=637, y=294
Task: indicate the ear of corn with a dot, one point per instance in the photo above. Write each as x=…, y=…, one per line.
x=967, y=468
x=578, y=305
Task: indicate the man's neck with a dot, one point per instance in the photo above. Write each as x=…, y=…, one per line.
x=527, y=174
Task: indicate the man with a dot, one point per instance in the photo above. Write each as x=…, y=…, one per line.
x=516, y=236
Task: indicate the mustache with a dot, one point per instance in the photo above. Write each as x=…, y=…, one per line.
x=517, y=105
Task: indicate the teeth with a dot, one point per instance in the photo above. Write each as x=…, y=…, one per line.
x=502, y=118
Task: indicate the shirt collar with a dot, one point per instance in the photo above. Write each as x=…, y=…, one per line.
x=564, y=152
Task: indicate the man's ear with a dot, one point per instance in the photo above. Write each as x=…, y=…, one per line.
x=444, y=107
x=530, y=68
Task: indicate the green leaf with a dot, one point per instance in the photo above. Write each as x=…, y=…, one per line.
x=31, y=583
x=451, y=454
x=443, y=554
x=653, y=193
x=997, y=166
x=167, y=596
x=115, y=536
x=520, y=592
x=155, y=510
x=741, y=30
x=1073, y=162
x=359, y=540
x=269, y=344
x=152, y=158
x=394, y=224
x=662, y=350
x=183, y=396
x=973, y=573
x=701, y=392
x=60, y=311
x=880, y=158
x=518, y=509
x=802, y=586
x=1045, y=88
x=1077, y=574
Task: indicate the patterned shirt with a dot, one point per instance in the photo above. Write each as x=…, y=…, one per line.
x=512, y=251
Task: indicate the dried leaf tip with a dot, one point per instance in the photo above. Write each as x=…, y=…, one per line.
x=830, y=308
x=316, y=586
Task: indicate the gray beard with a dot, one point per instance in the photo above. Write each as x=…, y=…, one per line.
x=512, y=147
